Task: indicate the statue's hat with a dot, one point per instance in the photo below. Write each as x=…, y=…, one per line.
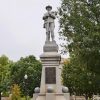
x=48, y=7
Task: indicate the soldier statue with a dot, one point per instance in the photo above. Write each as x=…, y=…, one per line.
x=49, y=24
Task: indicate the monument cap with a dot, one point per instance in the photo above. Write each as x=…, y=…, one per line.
x=48, y=7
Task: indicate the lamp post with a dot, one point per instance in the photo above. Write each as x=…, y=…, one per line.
x=25, y=77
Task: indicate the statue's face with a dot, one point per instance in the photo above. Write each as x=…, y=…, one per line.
x=48, y=9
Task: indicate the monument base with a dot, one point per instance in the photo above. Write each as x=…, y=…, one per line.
x=50, y=87
x=51, y=96
x=50, y=46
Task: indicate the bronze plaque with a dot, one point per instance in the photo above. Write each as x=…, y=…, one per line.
x=50, y=75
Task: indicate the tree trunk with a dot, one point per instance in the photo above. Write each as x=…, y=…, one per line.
x=86, y=97
x=0, y=95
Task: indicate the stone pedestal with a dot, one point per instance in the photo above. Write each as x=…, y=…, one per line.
x=51, y=96
x=51, y=88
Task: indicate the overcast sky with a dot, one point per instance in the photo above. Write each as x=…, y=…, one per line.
x=21, y=27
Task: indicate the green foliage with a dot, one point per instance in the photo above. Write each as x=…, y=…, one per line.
x=5, y=94
x=16, y=93
x=24, y=98
x=80, y=27
x=79, y=79
x=4, y=73
x=32, y=68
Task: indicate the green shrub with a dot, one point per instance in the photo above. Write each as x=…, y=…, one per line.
x=5, y=94
x=24, y=98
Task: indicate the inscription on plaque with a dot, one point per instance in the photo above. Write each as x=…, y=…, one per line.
x=50, y=75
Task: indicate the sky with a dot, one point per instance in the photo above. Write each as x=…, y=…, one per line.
x=21, y=27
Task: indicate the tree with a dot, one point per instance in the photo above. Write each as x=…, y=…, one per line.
x=4, y=74
x=78, y=79
x=16, y=93
x=30, y=66
x=80, y=27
